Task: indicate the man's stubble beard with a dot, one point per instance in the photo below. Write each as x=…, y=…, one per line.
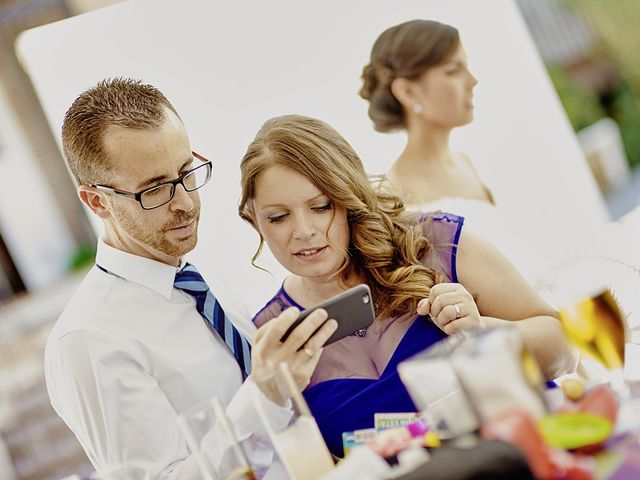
x=158, y=240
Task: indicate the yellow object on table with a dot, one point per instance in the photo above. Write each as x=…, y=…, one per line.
x=431, y=439
x=573, y=389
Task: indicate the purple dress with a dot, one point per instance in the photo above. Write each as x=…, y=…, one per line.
x=357, y=376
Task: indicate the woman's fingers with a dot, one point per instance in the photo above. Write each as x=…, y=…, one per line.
x=424, y=307
x=445, y=300
x=317, y=340
x=447, y=315
x=301, y=350
x=267, y=343
x=441, y=288
x=452, y=308
x=459, y=325
x=268, y=337
x=441, y=295
x=305, y=330
x=277, y=327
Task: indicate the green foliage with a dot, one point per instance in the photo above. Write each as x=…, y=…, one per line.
x=625, y=110
x=616, y=25
x=582, y=106
x=83, y=256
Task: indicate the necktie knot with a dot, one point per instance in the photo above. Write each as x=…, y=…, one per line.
x=189, y=279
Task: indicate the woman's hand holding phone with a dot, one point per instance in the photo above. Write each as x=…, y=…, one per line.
x=302, y=348
x=298, y=337
x=353, y=310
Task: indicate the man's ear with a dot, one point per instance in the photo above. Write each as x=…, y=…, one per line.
x=402, y=89
x=94, y=199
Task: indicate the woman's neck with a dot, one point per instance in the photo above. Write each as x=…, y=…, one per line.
x=426, y=147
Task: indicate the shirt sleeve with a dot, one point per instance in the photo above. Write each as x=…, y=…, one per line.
x=103, y=389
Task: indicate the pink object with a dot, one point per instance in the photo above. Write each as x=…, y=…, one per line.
x=389, y=442
x=602, y=401
x=418, y=428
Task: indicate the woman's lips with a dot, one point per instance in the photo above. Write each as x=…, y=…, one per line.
x=310, y=253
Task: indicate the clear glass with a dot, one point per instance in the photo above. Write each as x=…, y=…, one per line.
x=595, y=324
x=223, y=458
x=125, y=472
x=448, y=381
x=299, y=443
x=592, y=320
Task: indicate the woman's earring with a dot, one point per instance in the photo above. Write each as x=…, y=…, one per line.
x=416, y=107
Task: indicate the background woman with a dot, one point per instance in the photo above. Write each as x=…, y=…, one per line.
x=418, y=80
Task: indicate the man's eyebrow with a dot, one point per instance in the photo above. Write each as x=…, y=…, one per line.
x=161, y=178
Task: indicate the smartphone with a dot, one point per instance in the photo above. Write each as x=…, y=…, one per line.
x=352, y=309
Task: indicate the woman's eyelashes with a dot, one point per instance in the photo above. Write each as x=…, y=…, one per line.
x=280, y=217
x=323, y=208
x=276, y=218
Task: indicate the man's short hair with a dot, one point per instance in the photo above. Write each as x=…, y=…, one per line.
x=122, y=102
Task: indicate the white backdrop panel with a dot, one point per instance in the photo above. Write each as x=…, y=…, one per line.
x=228, y=66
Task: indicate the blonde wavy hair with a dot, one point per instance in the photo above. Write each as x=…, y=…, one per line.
x=386, y=243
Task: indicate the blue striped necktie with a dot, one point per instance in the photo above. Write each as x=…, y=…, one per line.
x=190, y=281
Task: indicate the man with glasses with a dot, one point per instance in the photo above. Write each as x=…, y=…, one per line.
x=144, y=339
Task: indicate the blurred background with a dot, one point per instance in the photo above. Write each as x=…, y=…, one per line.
x=591, y=50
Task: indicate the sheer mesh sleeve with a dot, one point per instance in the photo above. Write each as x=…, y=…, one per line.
x=274, y=307
x=443, y=232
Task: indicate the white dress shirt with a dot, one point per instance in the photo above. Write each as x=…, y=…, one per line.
x=128, y=354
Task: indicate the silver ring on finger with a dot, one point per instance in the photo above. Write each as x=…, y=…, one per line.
x=309, y=352
x=457, y=309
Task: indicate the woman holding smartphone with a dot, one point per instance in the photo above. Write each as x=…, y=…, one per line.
x=305, y=191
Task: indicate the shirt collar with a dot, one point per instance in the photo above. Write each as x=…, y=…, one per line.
x=154, y=275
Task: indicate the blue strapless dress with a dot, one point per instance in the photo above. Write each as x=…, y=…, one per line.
x=347, y=404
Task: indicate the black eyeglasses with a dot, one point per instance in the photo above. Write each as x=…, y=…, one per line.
x=162, y=193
